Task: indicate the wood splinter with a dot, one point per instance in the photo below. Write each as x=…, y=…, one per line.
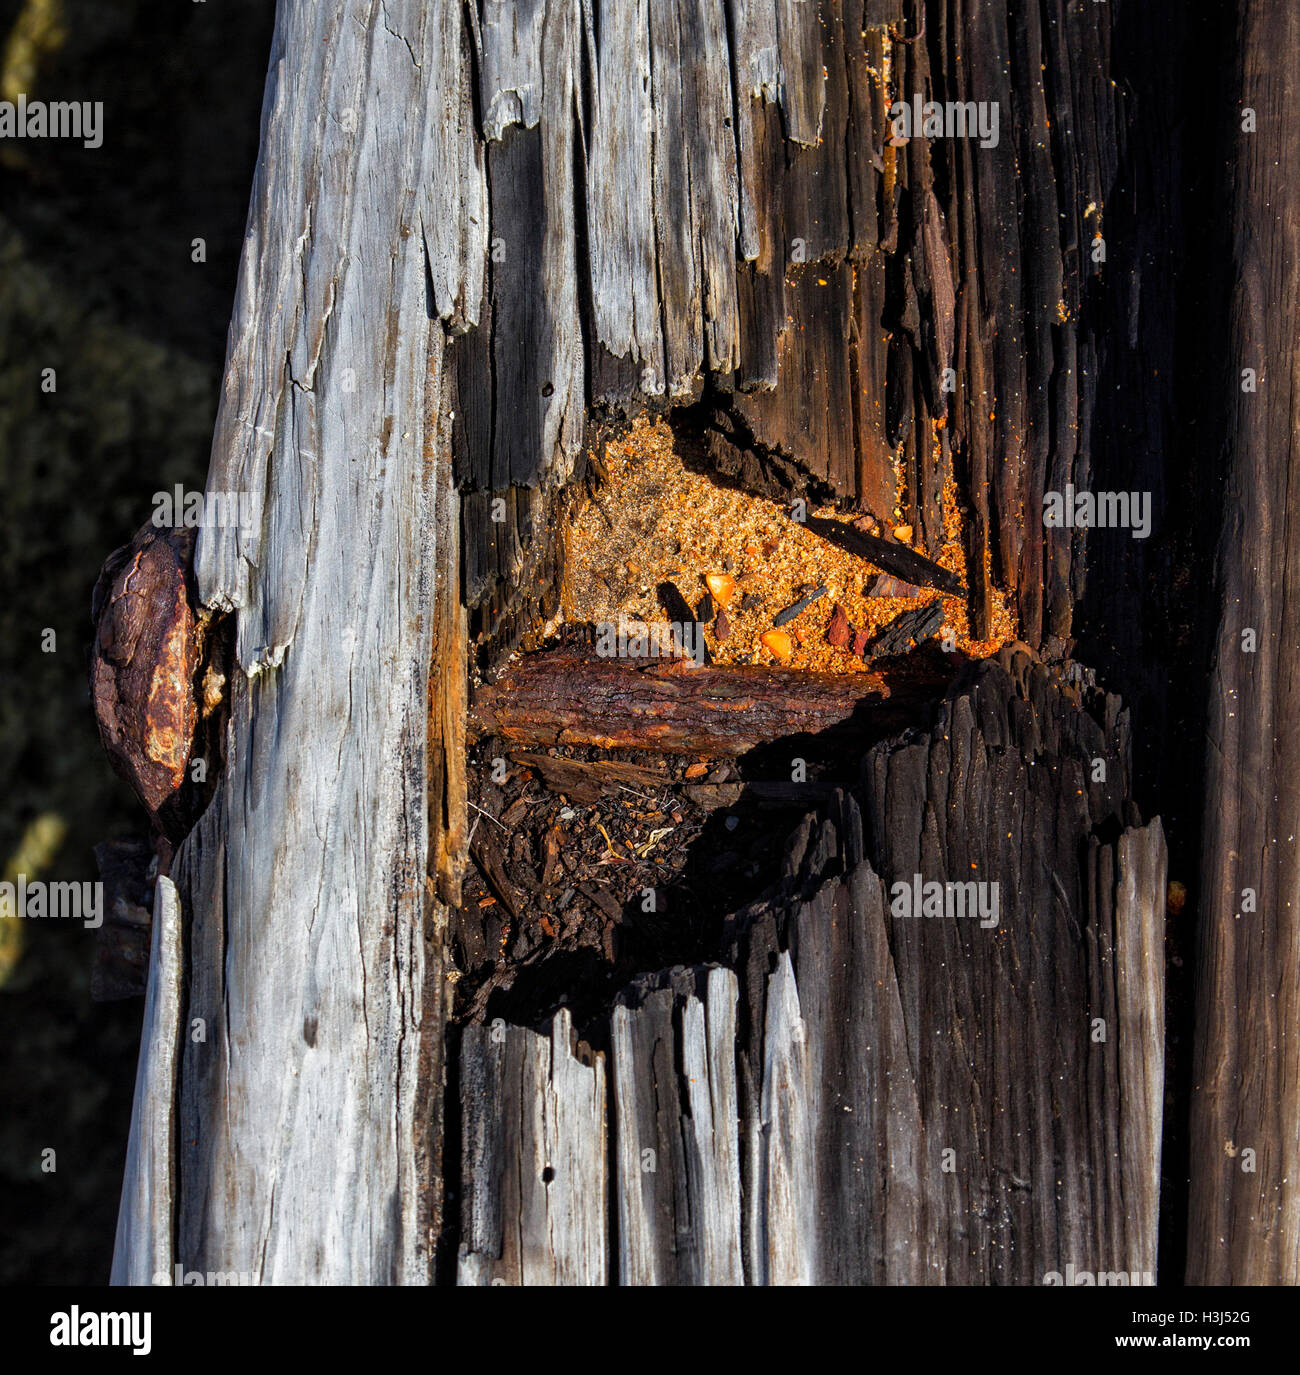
x=569, y=696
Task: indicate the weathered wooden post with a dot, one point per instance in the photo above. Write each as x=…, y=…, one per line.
x=311, y=1036
x=473, y=229
x=1244, y=1225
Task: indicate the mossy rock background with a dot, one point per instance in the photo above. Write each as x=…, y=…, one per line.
x=98, y=282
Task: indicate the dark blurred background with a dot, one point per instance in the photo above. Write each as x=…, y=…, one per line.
x=97, y=281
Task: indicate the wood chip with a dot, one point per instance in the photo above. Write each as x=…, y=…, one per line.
x=799, y=607
x=674, y=604
x=884, y=586
x=551, y=852
x=838, y=631
x=589, y=782
x=678, y=610
x=488, y=859
x=897, y=559
x=603, y=899
x=908, y=626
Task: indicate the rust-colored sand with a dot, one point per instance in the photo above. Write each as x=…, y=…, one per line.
x=656, y=521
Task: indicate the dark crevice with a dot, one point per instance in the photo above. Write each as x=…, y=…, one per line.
x=446, y=1249
x=598, y=923
x=1141, y=619
x=712, y=438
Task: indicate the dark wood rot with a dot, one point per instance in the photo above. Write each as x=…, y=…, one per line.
x=895, y=558
x=572, y=696
x=905, y=629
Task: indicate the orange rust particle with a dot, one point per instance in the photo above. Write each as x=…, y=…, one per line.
x=778, y=642
x=722, y=586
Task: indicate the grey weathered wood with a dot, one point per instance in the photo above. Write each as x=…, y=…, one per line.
x=1140, y=989
x=306, y=1105
x=143, y=1249
x=803, y=78
x=512, y=64
x=756, y=75
x=861, y=1120
x=676, y=1147
x=534, y=1158
x=538, y=366
x=620, y=206
x=696, y=213
x=785, y=1228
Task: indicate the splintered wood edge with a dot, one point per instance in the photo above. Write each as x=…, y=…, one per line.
x=144, y=1246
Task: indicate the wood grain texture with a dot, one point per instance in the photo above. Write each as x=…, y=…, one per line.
x=143, y=1249
x=534, y=1158
x=694, y=182
x=702, y=200
x=470, y=227
x=538, y=367
x=570, y=697
x=305, y=1107
x=1244, y=1225
x=620, y=203
x=956, y=1088
x=900, y=1099
x=1140, y=995
x=676, y=1148
x=511, y=64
